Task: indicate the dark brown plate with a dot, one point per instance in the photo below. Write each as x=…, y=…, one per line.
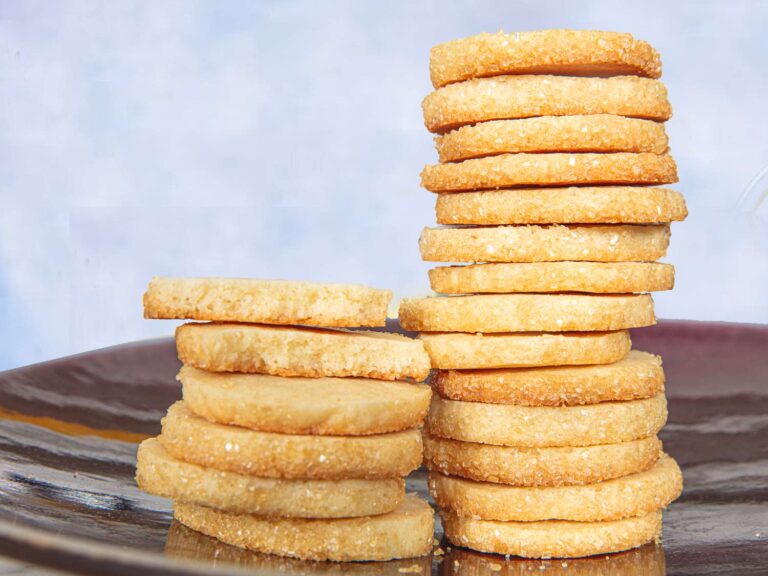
x=69, y=428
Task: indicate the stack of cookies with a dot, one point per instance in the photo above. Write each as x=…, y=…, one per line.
x=291, y=439
x=541, y=439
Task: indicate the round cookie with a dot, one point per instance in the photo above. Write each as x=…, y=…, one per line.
x=637, y=375
x=405, y=532
x=591, y=277
x=324, y=406
x=582, y=205
x=596, y=133
x=560, y=52
x=473, y=351
x=158, y=473
x=551, y=538
x=193, y=439
x=266, y=301
x=292, y=351
x=558, y=466
x=541, y=426
x=554, y=243
x=526, y=96
x=634, y=495
x=527, y=312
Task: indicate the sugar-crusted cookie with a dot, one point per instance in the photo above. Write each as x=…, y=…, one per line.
x=525, y=96
x=266, y=301
x=193, y=439
x=562, y=52
x=325, y=406
x=595, y=243
x=157, y=472
x=637, y=375
x=291, y=351
x=527, y=312
x=405, y=532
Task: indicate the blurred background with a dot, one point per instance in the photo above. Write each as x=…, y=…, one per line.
x=285, y=140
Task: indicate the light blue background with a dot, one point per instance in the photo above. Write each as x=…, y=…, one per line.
x=285, y=139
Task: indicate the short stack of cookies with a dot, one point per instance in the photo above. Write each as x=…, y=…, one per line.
x=541, y=440
x=294, y=434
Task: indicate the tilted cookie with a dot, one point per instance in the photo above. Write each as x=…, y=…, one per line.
x=593, y=277
x=406, y=532
x=596, y=243
x=527, y=312
x=470, y=351
x=194, y=439
x=637, y=375
x=634, y=495
x=525, y=96
x=266, y=301
x=325, y=406
x=561, y=52
x=292, y=351
x=158, y=473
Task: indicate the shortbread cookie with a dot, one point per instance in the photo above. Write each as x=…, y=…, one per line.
x=405, y=532
x=541, y=426
x=585, y=205
x=638, y=375
x=326, y=406
x=545, y=243
x=527, y=312
x=634, y=495
x=507, y=97
x=193, y=439
x=266, y=301
x=561, y=52
x=551, y=538
x=474, y=351
x=558, y=466
x=594, y=277
x=290, y=351
x=596, y=133
x=158, y=473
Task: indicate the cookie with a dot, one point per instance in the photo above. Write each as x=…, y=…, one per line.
x=158, y=473
x=266, y=301
x=634, y=495
x=471, y=351
x=585, y=205
x=290, y=351
x=595, y=243
x=193, y=439
x=551, y=538
x=526, y=96
x=325, y=406
x=558, y=466
x=554, y=169
x=637, y=375
x=595, y=133
x=405, y=532
x=541, y=426
x=560, y=52
x=593, y=277
x=527, y=312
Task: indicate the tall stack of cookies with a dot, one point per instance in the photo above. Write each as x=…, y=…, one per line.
x=541, y=440
x=291, y=439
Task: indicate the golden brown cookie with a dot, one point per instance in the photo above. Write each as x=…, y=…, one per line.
x=325, y=406
x=193, y=439
x=527, y=312
x=406, y=532
x=545, y=243
x=292, y=351
x=637, y=375
x=266, y=301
